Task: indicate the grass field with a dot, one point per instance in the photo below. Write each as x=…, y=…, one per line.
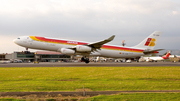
x=94, y=78
x=138, y=97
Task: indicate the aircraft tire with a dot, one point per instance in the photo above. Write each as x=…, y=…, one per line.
x=87, y=61
x=82, y=59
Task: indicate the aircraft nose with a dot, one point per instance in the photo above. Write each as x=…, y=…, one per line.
x=15, y=41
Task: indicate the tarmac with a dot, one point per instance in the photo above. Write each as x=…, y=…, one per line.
x=91, y=64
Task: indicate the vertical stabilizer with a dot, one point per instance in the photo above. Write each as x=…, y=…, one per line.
x=166, y=56
x=150, y=41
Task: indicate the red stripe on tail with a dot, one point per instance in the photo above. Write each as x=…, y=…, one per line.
x=148, y=41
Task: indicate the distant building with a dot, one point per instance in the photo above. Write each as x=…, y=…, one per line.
x=25, y=56
x=42, y=56
x=47, y=56
x=2, y=56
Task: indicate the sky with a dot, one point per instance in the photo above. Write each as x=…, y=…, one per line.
x=90, y=20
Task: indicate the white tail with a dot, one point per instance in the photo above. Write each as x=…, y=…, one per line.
x=150, y=41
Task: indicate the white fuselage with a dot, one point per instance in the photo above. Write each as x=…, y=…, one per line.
x=153, y=58
x=157, y=58
x=53, y=45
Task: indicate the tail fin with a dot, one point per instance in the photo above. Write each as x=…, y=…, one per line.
x=166, y=56
x=150, y=41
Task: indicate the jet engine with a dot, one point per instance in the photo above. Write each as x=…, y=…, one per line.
x=67, y=51
x=81, y=48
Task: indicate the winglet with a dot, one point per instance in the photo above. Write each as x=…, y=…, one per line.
x=98, y=45
x=110, y=39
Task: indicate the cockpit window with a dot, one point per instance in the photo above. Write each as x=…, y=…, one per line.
x=18, y=38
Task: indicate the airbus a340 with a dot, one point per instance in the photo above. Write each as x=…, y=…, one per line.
x=99, y=48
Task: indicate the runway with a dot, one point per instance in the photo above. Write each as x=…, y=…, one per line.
x=87, y=93
x=92, y=64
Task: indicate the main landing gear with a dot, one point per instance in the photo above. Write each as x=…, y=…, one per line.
x=84, y=59
x=26, y=51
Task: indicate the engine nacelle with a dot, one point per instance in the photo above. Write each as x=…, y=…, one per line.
x=81, y=48
x=67, y=51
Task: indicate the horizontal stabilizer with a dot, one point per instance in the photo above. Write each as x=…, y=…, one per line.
x=151, y=51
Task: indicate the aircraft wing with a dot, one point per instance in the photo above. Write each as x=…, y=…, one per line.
x=94, y=46
x=98, y=45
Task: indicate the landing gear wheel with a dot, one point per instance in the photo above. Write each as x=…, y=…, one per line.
x=87, y=60
x=84, y=59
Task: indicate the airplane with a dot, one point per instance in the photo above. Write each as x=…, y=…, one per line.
x=99, y=48
x=4, y=62
x=155, y=59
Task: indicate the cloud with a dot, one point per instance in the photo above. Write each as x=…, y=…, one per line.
x=69, y=8
x=100, y=14
x=90, y=19
x=174, y=12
